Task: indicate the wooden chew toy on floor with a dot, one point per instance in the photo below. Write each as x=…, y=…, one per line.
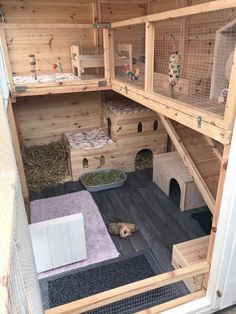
x=32, y=62
x=123, y=229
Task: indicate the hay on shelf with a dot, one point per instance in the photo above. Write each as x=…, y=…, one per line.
x=45, y=165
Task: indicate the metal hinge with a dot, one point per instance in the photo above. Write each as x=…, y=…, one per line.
x=199, y=121
x=101, y=25
x=21, y=89
x=102, y=83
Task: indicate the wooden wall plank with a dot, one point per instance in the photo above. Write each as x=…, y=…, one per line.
x=47, y=11
x=52, y=45
x=43, y=119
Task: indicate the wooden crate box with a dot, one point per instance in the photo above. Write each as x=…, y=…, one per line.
x=188, y=253
x=88, y=151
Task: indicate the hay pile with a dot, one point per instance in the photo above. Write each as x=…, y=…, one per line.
x=45, y=165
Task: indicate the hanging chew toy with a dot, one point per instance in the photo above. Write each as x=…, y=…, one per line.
x=174, y=66
x=32, y=62
x=133, y=76
x=223, y=95
x=58, y=66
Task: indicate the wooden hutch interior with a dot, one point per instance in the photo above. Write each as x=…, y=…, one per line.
x=115, y=33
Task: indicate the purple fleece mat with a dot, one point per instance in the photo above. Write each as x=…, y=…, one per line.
x=100, y=246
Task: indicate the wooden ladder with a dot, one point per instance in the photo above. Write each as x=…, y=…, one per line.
x=200, y=155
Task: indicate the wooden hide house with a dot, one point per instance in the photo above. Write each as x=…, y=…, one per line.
x=109, y=79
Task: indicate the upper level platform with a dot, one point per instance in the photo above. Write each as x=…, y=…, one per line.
x=179, y=63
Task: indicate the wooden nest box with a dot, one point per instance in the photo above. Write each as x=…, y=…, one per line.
x=134, y=128
x=127, y=128
x=223, y=59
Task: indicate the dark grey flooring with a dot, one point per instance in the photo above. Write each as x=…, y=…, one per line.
x=160, y=222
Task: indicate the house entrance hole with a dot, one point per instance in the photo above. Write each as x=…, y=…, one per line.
x=144, y=159
x=175, y=192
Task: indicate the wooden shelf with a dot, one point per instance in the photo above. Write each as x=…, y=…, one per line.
x=198, y=119
x=59, y=88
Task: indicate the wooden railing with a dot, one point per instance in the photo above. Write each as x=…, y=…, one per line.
x=127, y=291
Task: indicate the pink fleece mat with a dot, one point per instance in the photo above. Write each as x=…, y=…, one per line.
x=100, y=246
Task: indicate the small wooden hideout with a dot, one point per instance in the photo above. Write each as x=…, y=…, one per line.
x=112, y=78
x=169, y=168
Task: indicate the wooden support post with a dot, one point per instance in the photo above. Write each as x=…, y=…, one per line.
x=149, y=56
x=184, y=28
x=106, y=54
x=219, y=194
x=230, y=108
x=127, y=291
x=95, y=20
x=19, y=161
x=201, y=184
x=6, y=58
x=112, y=53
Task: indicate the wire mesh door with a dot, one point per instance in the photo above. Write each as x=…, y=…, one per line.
x=129, y=45
x=19, y=288
x=193, y=57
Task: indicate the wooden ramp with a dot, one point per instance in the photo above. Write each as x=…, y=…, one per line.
x=200, y=155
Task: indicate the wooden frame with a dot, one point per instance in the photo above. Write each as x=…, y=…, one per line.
x=212, y=125
x=220, y=189
x=206, y=194
x=127, y=291
x=230, y=108
x=216, y=126
x=6, y=58
x=44, y=26
x=19, y=160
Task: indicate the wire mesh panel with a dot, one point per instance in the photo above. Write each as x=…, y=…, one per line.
x=129, y=45
x=19, y=289
x=144, y=300
x=193, y=58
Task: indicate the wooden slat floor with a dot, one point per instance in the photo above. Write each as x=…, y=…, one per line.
x=160, y=222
